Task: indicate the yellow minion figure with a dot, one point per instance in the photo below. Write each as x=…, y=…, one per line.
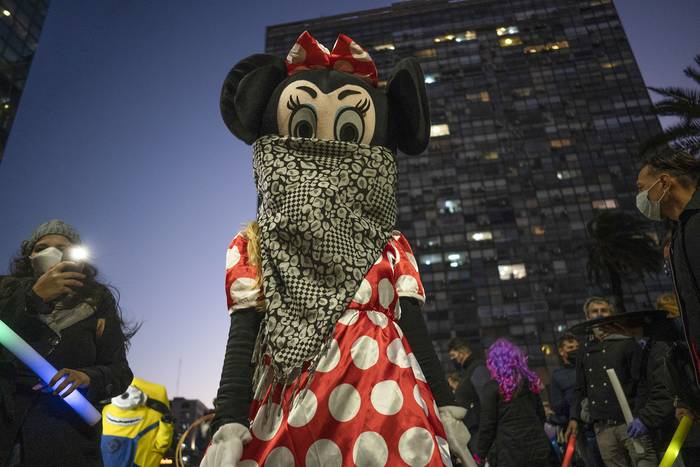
x=137, y=426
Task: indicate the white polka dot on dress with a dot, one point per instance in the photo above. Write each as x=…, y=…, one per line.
x=344, y=402
x=397, y=354
x=417, y=372
x=364, y=352
x=416, y=446
x=303, y=409
x=267, y=422
x=386, y=292
x=378, y=318
x=386, y=397
x=407, y=284
x=349, y=317
x=329, y=361
x=324, y=453
x=364, y=293
x=370, y=450
x=279, y=457
x=419, y=399
x=444, y=450
x=232, y=257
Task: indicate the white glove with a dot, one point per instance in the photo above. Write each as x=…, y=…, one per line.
x=457, y=433
x=226, y=446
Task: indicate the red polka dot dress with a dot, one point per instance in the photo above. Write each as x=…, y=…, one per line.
x=368, y=403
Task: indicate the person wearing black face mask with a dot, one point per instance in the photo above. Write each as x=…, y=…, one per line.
x=474, y=376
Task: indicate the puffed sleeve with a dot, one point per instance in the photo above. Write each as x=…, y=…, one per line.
x=242, y=288
x=406, y=275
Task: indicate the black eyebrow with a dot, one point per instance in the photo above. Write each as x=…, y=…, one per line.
x=346, y=93
x=311, y=92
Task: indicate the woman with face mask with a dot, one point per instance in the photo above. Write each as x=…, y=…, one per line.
x=53, y=301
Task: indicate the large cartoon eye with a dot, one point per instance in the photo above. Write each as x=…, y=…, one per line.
x=349, y=125
x=302, y=122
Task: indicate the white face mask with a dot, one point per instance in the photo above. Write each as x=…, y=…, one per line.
x=46, y=259
x=650, y=209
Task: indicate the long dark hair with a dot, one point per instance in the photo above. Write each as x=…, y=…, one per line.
x=93, y=291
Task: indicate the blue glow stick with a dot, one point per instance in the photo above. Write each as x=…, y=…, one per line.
x=44, y=370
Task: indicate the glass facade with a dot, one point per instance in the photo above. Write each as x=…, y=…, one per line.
x=20, y=27
x=537, y=107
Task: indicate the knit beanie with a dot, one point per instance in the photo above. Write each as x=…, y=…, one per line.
x=52, y=227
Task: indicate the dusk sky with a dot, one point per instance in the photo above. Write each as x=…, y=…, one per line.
x=119, y=133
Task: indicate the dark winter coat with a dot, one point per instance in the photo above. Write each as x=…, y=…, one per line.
x=469, y=391
x=51, y=433
x=685, y=265
x=561, y=393
x=595, y=357
x=511, y=434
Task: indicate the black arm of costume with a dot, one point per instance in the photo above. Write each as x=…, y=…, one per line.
x=488, y=419
x=235, y=389
x=110, y=375
x=413, y=326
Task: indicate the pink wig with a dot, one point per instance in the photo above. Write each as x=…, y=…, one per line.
x=508, y=365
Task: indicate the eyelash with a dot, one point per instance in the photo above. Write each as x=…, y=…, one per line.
x=292, y=104
x=363, y=106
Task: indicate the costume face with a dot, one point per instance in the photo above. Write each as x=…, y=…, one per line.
x=346, y=113
x=329, y=96
x=132, y=398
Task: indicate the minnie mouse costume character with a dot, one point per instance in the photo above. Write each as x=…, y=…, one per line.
x=328, y=353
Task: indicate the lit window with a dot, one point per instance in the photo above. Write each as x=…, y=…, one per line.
x=560, y=143
x=439, y=130
x=503, y=31
x=511, y=271
x=481, y=236
x=482, y=96
x=429, y=260
x=450, y=206
x=381, y=83
x=466, y=36
x=533, y=49
x=426, y=53
x=567, y=174
x=537, y=230
x=445, y=38
x=381, y=47
x=491, y=155
x=558, y=45
x=522, y=92
x=609, y=65
x=546, y=349
x=561, y=328
x=510, y=41
x=6, y=12
x=456, y=259
x=604, y=204
x=430, y=79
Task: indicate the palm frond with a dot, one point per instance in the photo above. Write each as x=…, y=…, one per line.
x=674, y=92
x=669, y=135
x=671, y=107
x=692, y=73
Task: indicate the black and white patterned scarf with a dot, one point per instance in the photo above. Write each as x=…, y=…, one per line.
x=326, y=212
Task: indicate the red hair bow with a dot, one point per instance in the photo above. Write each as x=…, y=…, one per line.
x=348, y=57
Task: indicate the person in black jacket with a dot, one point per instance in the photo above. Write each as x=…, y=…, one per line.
x=511, y=427
x=73, y=321
x=667, y=184
x=473, y=378
x=561, y=388
x=610, y=349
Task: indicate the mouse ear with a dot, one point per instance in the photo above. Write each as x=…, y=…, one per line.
x=246, y=91
x=408, y=107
